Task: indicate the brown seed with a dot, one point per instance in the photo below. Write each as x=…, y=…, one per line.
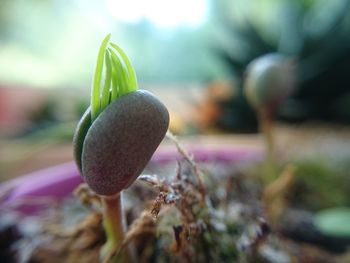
x=122, y=140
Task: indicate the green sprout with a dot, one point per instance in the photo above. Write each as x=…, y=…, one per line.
x=115, y=139
x=117, y=64
x=120, y=79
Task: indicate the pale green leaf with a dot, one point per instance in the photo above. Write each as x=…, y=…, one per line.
x=114, y=91
x=105, y=96
x=131, y=72
x=95, y=92
x=121, y=71
x=334, y=221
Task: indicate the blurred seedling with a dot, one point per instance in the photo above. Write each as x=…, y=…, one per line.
x=116, y=138
x=269, y=81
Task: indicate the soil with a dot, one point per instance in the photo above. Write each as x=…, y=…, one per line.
x=178, y=212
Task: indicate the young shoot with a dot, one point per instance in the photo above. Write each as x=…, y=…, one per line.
x=269, y=81
x=116, y=137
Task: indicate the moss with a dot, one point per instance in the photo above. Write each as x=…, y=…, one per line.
x=320, y=185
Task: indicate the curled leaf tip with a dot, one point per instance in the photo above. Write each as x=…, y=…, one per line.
x=119, y=77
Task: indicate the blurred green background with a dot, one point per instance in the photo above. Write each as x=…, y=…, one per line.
x=53, y=44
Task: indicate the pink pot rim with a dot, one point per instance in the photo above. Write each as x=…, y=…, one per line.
x=65, y=177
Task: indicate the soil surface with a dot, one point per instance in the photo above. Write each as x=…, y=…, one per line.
x=179, y=212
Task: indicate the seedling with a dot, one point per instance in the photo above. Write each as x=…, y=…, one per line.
x=270, y=80
x=116, y=138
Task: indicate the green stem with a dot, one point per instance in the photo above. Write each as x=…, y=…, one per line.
x=266, y=127
x=114, y=226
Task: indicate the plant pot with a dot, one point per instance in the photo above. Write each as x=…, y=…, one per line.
x=55, y=183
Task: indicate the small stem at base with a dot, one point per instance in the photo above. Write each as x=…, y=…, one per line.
x=114, y=226
x=266, y=127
